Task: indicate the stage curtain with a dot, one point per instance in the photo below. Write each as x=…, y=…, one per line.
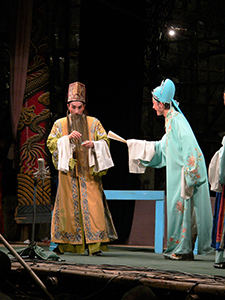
x=1, y=209
x=21, y=19
x=33, y=125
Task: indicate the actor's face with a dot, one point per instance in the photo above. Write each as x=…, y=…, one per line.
x=76, y=108
x=158, y=107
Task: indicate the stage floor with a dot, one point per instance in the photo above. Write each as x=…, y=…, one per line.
x=134, y=265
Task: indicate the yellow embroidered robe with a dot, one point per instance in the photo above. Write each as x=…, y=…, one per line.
x=80, y=212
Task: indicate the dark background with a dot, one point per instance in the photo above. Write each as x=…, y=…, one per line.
x=111, y=64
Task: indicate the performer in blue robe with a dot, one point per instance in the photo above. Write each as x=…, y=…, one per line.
x=189, y=211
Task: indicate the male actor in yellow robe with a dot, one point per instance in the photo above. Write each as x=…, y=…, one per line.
x=80, y=152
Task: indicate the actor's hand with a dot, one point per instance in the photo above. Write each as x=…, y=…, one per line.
x=88, y=144
x=75, y=135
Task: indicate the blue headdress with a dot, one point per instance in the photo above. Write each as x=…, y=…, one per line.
x=165, y=93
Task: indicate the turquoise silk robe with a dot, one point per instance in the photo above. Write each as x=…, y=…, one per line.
x=192, y=217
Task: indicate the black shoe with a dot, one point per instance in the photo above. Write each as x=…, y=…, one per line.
x=98, y=253
x=219, y=265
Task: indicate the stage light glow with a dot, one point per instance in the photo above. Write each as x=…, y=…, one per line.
x=175, y=31
x=171, y=32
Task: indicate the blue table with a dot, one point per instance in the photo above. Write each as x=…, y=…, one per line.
x=157, y=196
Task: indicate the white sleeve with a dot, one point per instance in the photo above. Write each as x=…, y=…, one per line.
x=100, y=156
x=139, y=150
x=213, y=173
x=64, y=153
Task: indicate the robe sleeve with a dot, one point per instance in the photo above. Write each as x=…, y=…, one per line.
x=138, y=151
x=213, y=173
x=100, y=134
x=216, y=169
x=100, y=157
x=159, y=158
x=222, y=163
x=65, y=153
x=52, y=141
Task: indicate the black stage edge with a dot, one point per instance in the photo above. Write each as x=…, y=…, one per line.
x=112, y=275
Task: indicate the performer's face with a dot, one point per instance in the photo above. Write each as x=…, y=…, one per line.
x=158, y=107
x=76, y=108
